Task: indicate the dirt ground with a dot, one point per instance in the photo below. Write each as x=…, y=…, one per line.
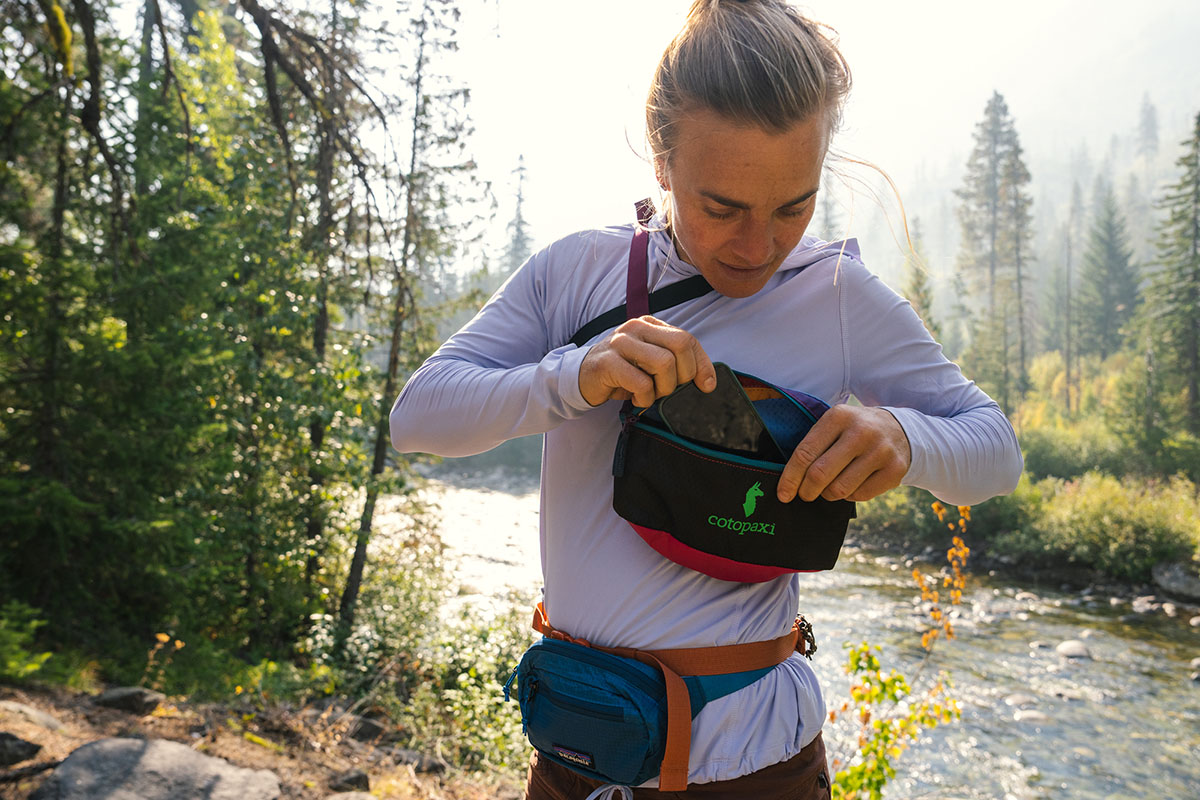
x=305, y=749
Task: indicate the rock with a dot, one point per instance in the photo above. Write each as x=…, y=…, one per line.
x=351, y=796
x=1115, y=601
x=14, y=750
x=1087, y=633
x=418, y=761
x=1195, y=621
x=351, y=780
x=1039, y=645
x=1073, y=648
x=1178, y=579
x=1030, y=715
x=32, y=714
x=1195, y=663
x=1084, y=752
x=131, y=698
x=1170, y=609
x=1026, y=597
x=1195, y=677
x=1145, y=604
x=1021, y=700
x=154, y=769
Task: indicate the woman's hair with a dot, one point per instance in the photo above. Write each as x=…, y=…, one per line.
x=757, y=62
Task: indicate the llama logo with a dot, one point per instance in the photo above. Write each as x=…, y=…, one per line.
x=751, y=501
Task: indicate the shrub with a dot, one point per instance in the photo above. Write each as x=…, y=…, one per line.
x=905, y=517
x=1122, y=528
x=18, y=624
x=1069, y=452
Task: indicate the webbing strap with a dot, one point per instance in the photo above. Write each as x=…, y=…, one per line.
x=637, y=301
x=675, y=663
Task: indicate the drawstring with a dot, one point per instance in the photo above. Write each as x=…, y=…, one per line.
x=610, y=791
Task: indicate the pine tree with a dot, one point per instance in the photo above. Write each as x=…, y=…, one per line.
x=1108, y=291
x=994, y=212
x=519, y=241
x=917, y=287
x=1172, y=307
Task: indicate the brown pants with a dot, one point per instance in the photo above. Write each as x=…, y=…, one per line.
x=802, y=777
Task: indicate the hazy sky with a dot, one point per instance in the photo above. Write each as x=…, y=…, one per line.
x=562, y=82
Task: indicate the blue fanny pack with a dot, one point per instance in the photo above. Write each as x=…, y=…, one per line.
x=604, y=715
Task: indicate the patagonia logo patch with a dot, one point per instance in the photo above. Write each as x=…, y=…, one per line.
x=574, y=756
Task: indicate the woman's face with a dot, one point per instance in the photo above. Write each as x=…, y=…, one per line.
x=741, y=196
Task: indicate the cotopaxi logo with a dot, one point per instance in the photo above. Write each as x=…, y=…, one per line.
x=740, y=527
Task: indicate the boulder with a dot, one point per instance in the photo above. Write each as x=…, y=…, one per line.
x=32, y=714
x=153, y=769
x=131, y=698
x=14, y=750
x=1177, y=579
x=351, y=780
x=1073, y=648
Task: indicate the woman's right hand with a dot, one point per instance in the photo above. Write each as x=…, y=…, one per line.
x=644, y=359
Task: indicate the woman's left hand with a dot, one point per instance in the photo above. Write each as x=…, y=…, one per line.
x=852, y=453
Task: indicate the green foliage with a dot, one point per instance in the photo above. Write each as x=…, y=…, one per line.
x=890, y=718
x=1172, y=308
x=1068, y=451
x=18, y=625
x=459, y=709
x=1108, y=290
x=1121, y=528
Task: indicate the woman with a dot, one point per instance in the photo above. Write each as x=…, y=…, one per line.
x=739, y=118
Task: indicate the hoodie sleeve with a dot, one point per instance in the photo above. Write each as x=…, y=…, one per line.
x=499, y=377
x=964, y=449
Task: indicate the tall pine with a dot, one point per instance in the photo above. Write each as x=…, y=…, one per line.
x=1108, y=280
x=994, y=255
x=1172, y=306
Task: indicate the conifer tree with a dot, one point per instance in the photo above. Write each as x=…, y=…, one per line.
x=519, y=241
x=994, y=212
x=1172, y=307
x=917, y=286
x=1108, y=291
x=1147, y=137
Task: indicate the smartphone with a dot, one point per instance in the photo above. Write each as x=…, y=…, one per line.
x=723, y=418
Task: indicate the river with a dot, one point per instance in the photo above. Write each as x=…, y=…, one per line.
x=1124, y=723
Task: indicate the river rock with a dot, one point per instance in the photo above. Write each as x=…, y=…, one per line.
x=1073, y=648
x=14, y=750
x=1026, y=597
x=1144, y=604
x=1178, y=579
x=1030, y=715
x=1195, y=621
x=1020, y=700
x=1170, y=609
x=351, y=780
x=32, y=714
x=1195, y=663
x=153, y=769
x=131, y=698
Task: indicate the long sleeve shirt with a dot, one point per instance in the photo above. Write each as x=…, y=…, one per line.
x=823, y=324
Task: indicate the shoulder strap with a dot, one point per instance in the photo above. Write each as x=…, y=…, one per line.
x=637, y=302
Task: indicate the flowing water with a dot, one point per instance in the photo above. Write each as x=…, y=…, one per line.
x=1124, y=723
